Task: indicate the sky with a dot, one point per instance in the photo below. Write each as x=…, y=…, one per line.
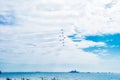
x=60, y=35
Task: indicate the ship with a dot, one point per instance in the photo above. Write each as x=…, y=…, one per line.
x=74, y=71
x=0, y=72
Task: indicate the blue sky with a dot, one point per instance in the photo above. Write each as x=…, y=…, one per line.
x=112, y=41
x=31, y=38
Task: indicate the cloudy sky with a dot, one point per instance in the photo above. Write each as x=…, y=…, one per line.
x=60, y=35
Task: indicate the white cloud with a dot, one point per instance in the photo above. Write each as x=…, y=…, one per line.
x=34, y=39
x=95, y=19
x=87, y=44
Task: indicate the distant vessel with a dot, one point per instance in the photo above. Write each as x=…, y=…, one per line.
x=0, y=72
x=74, y=71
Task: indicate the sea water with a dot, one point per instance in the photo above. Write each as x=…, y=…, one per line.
x=59, y=76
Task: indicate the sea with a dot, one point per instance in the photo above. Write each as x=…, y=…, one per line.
x=59, y=76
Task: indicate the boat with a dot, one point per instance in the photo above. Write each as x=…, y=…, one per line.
x=0, y=72
x=74, y=71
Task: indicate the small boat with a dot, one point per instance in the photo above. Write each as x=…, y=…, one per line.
x=0, y=72
x=74, y=71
